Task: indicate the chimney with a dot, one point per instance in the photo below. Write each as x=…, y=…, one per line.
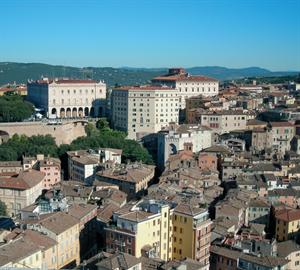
x=188, y=146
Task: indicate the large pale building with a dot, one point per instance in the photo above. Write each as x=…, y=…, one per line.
x=172, y=139
x=161, y=229
x=188, y=85
x=19, y=190
x=223, y=121
x=68, y=98
x=140, y=110
x=191, y=234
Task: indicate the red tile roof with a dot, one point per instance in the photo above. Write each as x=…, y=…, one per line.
x=288, y=215
x=62, y=81
x=144, y=87
x=184, y=77
x=281, y=124
x=24, y=180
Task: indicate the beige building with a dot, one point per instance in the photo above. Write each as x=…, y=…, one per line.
x=188, y=85
x=141, y=110
x=133, y=179
x=20, y=190
x=143, y=230
x=68, y=98
x=64, y=229
x=224, y=121
x=28, y=249
x=290, y=251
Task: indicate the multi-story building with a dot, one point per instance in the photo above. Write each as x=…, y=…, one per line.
x=64, y=229
x=28, y=249
x=188, y=85
x=191, y=233
x=223, y=258
x=249, y=262
x=68, y=98
x=280, y=136
x=145, y=229
x=140, y=110
x=287, y=224
x=133, y=179
x=51, y=168
x=83, y=164
x=277, y=136
x=223, y=121
x=172, y=139
x=21, y=189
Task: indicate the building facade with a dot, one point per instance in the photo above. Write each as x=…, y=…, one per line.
x=140, y=110
x=188, y=85
x=172, y=140
x=191, y=234
x=20, y=190
x=65, y=98
x=223, y=121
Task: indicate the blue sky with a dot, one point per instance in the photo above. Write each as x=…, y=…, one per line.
x=152, y=33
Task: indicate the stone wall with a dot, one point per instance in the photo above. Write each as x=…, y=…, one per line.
x=63, y=133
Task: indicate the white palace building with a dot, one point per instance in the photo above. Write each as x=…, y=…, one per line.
x=65, y=98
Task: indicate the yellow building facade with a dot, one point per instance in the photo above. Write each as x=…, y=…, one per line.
x=287, y=224
x=191, y=234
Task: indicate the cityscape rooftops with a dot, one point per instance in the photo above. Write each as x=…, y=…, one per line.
x=144, y=87
x=22, y=181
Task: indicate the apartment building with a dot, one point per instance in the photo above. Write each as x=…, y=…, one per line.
x=145, y=229
x=140, y=110
x=65, y=98
x=280, y=136
x=191, y=234
x=64, y=229
x=52, y=170
x=188, y=85
x=276, y=136
x=28, y=249
x=19, y=190
x=83, y=164
x=223, y=121
x=287, y=224
x=133, y=179
x=172, y=139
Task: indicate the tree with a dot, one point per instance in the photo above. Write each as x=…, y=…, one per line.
x=102, y=124
x=14, y=108
x=3, y=209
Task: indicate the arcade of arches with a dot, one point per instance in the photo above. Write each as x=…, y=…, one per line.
x=76, y=112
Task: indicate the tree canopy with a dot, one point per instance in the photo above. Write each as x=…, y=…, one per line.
x=21, y=145
x=3, y=209
x=14, y=109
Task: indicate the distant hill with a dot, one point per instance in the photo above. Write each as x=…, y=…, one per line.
x=20, y=72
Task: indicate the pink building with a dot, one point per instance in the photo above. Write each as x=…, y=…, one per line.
x=51, y=168
x=207, y=161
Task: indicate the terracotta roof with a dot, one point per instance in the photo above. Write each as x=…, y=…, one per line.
x=105, y=214
x=79, y=211
x=187, y=209
x=288, y=215
x=62, y=81
x=144, y=87
x=119, y=261
x=137, y=216
x=59, y=222
x=24, y=180
x=184, y=77
x=285, y=248
x=266, y=261
x=225, y=252
x=281, y=124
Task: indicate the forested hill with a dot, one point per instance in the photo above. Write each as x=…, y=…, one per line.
x=20, y=72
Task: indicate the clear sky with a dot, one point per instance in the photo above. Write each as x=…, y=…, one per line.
x=152, y=33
